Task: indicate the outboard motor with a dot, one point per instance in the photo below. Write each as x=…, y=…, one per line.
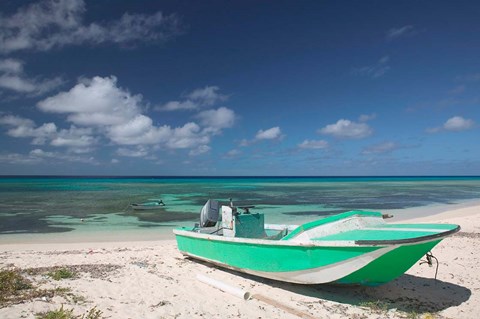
x=209, y=213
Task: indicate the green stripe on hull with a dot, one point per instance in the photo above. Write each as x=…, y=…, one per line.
x=268, y=258
x=389, y=266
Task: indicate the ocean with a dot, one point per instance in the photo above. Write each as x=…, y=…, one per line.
x=63, y=209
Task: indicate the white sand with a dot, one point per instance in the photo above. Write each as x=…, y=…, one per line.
x=153, y=280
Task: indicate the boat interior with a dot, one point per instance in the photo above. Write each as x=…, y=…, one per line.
x=353, y=226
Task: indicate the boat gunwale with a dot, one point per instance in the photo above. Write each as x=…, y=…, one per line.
x=317, y=243
x=408, y=240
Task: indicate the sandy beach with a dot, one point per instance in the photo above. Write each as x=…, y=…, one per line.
x=151, y=279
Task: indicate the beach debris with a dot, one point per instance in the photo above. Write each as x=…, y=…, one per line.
x=237, y=292
x=161, y=304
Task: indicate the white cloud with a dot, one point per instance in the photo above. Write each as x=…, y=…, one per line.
x=13, y=78
x=177, y=105
x=207, y=96
x=347, y=129
x=11, y=66
x=21, y=128
x=79, y=138
x=233, y=153
x=273, y=133
x=269, y=134
x=41, y=155
x=38, y=156
x=139, y=151
x=455, y=123
x=74, y=137
x=396, y=33
x=367, y=117
x=313, y=144
x=98, y=108
x=95, y=102
x=196, y=99
x=202, y=149
x=49, y=24
x=15, y=159
x=216, y=120
x=244, y=142
x=458, y=123
x=375, y=70
x=380, y=148
x=13, y=120
x=188, y=136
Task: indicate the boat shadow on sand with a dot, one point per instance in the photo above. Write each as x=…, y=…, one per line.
x=410, y=294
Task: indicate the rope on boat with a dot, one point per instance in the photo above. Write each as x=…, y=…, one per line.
x=429, y=261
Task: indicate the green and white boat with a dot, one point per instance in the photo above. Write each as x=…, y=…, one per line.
x=355, y=247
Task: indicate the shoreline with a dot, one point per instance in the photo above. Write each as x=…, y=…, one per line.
x=165, y=233
x=151, y=279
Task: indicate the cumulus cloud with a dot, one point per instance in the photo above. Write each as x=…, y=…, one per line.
x=269, y=134
x=202, y=149
x=196, y=99
x=207, y=96
x=99, y=109
x=458, y=123
x=177, y=105
x=313, y=144
x=347, y=129
x=139, y=151
x=455, y=124
x=26, y=128
x=375, y=70
x=216, y=120
x=38, y=156
x=273, y=133
x=395, y=33
x=48, y=24
x=16, y=158
x=11, y=66
x=187, y=136
x=79, y=140
x=96, y=101
x=41, y=155
x=13, y=78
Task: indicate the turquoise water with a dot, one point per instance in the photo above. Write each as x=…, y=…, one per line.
x=79, y=205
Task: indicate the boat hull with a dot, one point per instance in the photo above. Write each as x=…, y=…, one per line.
x=313, y=263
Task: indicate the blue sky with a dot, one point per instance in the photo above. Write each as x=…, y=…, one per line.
x=239, y=87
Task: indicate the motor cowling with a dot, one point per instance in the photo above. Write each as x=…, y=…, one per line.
x=209, y=213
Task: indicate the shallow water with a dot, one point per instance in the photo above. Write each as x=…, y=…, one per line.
x=100, y=206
